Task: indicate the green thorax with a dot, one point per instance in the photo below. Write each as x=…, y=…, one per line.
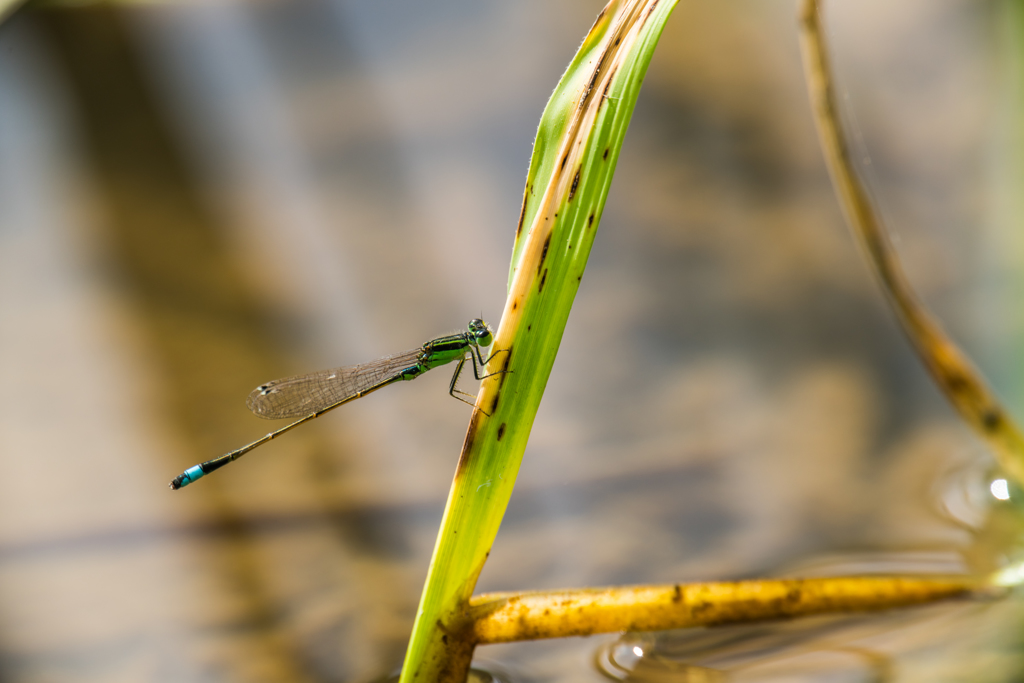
x=443, y=350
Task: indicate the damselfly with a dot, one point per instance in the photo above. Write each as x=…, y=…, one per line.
x=310, y=396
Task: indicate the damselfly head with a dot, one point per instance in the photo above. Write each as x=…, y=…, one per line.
x=481, y=332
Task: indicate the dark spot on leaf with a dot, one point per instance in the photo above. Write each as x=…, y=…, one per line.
x=543, y=277
x=544, y=253
x=494, y=403
x=522, y=217
x=590, y=220
x=515, y=304
x=590, y=87
x=575, y=182
x=991, y=419
x=605, y=154
x=467, y=445
x=501, y=431
x=564, y=159
x=956, y=381
x=677, y=594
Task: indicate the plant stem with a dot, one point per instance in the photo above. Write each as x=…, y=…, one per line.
x=962, y=383
x=507, y=617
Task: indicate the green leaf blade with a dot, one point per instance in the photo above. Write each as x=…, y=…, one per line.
x=574, y=161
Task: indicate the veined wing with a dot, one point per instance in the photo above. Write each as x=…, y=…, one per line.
x=303, y=395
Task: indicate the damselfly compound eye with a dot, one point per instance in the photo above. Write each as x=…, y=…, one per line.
x=481, y=332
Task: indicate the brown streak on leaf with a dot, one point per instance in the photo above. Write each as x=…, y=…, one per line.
x=522, y=213
x=467, y=443
x=544, y=253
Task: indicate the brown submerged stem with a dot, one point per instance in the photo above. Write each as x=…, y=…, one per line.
x=962, y=383
x=507, y=617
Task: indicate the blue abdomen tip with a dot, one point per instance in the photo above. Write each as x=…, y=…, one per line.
x=187, y=477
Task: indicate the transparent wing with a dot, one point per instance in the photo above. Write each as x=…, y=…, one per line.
x=303, y=395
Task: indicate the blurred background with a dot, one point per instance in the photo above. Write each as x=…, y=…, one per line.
x=197, y=197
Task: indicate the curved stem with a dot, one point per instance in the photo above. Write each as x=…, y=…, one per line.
x=962, y=383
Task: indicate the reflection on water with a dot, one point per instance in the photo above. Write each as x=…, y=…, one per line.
x=952, y=642
x=975, y=640
x=1000, y=489
x=196, y=198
